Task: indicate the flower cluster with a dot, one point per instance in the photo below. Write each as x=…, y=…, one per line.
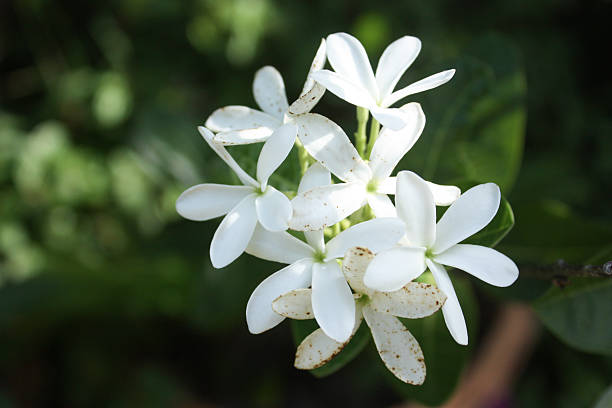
x=354, y=253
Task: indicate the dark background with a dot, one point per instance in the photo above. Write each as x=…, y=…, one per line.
x=108, y=298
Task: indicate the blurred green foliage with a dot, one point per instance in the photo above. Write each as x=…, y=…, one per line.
x=107, y=298
x=580, y=313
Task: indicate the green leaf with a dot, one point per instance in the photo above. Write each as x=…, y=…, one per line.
x=302, y=328
x=579, y=314
x=475, y=123
x=605, y=401
x=444, y=358
x=497, y=229
x=546, y=231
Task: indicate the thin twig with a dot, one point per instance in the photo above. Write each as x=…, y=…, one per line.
x=561, y=271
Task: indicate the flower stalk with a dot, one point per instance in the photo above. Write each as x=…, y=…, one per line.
x=360, y=135
x=302, y=156
x=374, y=130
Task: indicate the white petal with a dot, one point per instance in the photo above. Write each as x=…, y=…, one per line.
x=273, y=210
x=330, y=146
x=415, y=206
x=354, y=265
x=332, y=301
x=318, y=349
x=413, y=301
x=376, y=235
x=392, y=145
x=424, y=84
x=472, y=211
x=324, y=206
x=484, y=263
x=240, y=117
x=391, y=270
x=387, y=186
x=381, y=205
x=343, y=88
x=295, y=304
x=225, y=156
x=397, y=348
x=316, y=239
x=349, y=59
x=244, y=136
x=274, y=152
x=312, y=91
x=318, y=62
x=306, y=102
x=269, y=91
x=443, y=195
x=206, y=201
x=395, y=60
x=277, y=246
x=392, y=118
x=315, y=176
x=453, y=315
x=259, y=313
x=234, y=233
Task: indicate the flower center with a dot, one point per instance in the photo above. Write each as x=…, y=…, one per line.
x=261, y=191
x=287, y=118
x=429, y=253
x=372, y=186
x=319, y=256
x=363, y=299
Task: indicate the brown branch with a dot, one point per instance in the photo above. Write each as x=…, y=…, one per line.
x=561, y=271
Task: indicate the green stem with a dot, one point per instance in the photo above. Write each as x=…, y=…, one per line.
x=337, y=229
x=360, y=135
x=302, y=156
x=374, y=128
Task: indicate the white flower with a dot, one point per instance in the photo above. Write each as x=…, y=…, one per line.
x=363, y=182
x=314, y=264
x=396, y=346
x=354, y=80
x=431, y=245
x=244, y=205
x=242, y=125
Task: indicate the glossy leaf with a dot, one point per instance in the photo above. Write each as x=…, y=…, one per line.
x=479, y=134
x=605, y=401
x=549, y=230
x=579, y=314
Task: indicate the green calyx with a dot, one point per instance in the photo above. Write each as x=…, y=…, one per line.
x=363, y=299
x=372, y=186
